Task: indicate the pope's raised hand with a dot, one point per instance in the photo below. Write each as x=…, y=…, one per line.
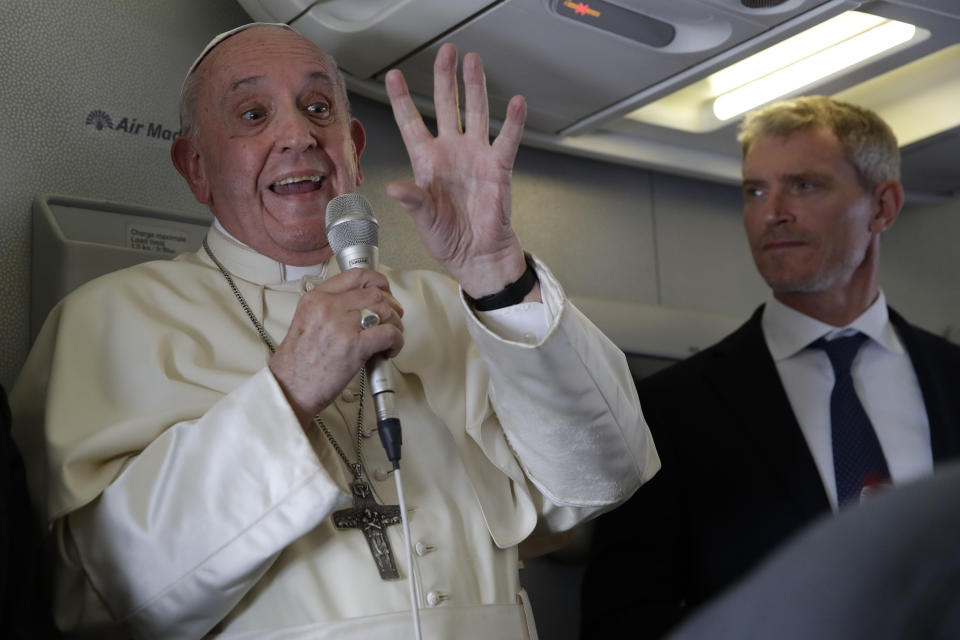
x=460, y=200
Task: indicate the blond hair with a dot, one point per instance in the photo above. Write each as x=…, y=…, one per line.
x=868, y=141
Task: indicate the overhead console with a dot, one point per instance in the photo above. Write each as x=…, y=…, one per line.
x=633, y=81
x=570, y=59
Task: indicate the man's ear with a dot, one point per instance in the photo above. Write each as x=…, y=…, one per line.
x=186, y=158
x=359, y=137
x=887, y=202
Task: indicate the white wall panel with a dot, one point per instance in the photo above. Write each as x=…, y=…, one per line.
x=592, y=222
x=920, y=265
x=704, y=259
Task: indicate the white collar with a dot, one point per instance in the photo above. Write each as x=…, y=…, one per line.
x=287, y=272
x=788, y=331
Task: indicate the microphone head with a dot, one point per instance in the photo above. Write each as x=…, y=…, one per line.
x=352, y=231
x=350, y=222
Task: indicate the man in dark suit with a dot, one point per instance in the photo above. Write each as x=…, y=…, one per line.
x=768, y=429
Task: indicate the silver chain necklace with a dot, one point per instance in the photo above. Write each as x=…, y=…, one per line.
x=356, y=468
x=366, y=514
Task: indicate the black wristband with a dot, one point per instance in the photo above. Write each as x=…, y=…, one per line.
x=511, y=294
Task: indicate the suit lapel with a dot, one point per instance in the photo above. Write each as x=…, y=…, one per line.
x=746, y=377
x=934, y=380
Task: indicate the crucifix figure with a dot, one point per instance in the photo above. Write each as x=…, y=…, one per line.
x=373, y=519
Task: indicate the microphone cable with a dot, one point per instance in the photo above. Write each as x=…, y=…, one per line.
x=411, y=581
x=388, y=427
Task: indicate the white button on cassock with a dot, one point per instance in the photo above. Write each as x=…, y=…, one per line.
x=436, y=597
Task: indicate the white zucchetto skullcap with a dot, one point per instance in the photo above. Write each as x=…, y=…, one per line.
x=220, y=38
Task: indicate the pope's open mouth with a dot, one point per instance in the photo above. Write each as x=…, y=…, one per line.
x=297, y=184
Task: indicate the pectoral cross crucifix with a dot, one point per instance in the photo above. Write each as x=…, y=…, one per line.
x=373, y=519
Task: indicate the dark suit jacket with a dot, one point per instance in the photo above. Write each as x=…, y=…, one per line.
x=737, y=479
x=24, y=590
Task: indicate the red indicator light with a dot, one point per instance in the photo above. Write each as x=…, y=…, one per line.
x=581, y=8
x=628, y=23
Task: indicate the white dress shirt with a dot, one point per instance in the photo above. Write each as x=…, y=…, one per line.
x=883, y=377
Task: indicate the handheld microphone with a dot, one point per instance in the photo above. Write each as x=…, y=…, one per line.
x=353, y=234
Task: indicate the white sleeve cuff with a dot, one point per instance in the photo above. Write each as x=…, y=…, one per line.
x=525, y=322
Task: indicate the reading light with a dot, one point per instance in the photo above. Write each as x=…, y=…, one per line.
x=828, y=48
x=834, y=45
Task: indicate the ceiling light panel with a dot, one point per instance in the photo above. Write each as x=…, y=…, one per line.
x=796, y=64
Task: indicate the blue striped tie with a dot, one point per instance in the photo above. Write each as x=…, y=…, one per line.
x=858, y=460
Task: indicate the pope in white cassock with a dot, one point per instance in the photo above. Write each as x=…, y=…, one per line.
x=168, y=409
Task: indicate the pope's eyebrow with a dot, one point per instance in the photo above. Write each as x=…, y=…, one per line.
x=322, y=76
x=245, y=81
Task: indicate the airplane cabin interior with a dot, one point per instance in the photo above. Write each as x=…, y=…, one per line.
x=627, y=182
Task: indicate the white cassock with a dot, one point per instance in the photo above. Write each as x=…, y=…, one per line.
x=187, y=500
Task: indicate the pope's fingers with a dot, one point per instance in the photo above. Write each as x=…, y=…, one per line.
x=445, y=91
x=378, y=327
x=405, y=113
x=511, y=133
x=347, y=313
x=385, y=339
x=373, y=314
x=353, y=279
x=336, y=305
x=414, y=201
x=475, y=89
